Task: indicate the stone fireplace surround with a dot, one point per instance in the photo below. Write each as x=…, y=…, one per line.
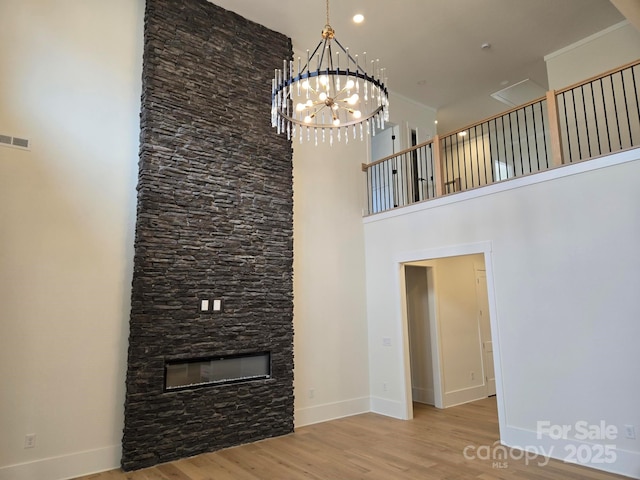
x=214, y=220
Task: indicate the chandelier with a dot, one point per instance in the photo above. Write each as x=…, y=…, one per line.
x=332, y=94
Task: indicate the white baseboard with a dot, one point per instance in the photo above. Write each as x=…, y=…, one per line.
x=65, y=466
x=423, y=395
x=390, y=408
x=626, y=463
x=465, y=395
x=330, y=411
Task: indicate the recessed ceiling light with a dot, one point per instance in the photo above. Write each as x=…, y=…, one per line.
x=463, y=134
x=485, y=45
x=358, y=18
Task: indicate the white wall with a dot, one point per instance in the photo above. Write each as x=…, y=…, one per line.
x=605, y=50
x=330, y=324
x=70, y=82
x=565, y=263
x=404, y=115
x=408, y=115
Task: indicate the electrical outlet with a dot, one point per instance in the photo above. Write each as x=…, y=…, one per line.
x=30, y=440
x=312, y=393
x=630, y=432
x=385, y=387
x=472, y=375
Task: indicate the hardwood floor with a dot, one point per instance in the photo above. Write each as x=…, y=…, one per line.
x=370, y=447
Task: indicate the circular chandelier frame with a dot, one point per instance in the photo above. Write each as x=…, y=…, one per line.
x=329, y=98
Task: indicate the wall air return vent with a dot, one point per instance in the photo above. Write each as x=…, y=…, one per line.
x=520, y=93
x=14, y=142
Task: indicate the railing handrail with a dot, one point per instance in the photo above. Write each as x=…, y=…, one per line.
x=493, y=117
x=366, y=166
x=543, y=140
x=597, y=77
x=394, y=155
x=507, y=112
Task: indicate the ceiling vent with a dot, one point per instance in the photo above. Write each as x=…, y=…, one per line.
x=520, y=93
x=15, y=142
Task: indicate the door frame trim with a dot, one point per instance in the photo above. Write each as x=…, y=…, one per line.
x=484, y=248
x=434, y=332
x=476, y=272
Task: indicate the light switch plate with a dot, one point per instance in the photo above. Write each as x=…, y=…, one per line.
x=204, y=305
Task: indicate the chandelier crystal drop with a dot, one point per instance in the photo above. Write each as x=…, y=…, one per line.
x=330, y=95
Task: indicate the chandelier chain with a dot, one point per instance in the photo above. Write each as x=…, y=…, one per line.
x=328, y=12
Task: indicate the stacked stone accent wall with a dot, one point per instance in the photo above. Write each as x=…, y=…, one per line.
x=214, y=220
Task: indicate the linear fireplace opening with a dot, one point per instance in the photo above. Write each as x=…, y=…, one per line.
x=198, y=372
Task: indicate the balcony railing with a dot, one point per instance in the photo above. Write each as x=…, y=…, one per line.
x=593, y=118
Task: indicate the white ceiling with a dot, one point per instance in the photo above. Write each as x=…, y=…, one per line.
x=432, y=48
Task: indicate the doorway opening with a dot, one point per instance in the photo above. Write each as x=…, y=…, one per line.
x=448, y=328
x=420, y=300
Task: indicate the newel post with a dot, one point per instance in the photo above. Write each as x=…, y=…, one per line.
x=438, y=177
x=554, y=129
